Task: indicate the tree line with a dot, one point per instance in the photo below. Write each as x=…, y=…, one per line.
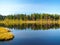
x=34, y=16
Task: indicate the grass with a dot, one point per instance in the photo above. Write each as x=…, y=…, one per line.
x=5, y=34
x=4, y=30
x=16, y=21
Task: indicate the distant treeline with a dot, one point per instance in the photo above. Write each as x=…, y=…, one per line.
x=34, y=16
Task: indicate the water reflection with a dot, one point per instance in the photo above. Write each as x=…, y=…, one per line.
x=33, y=37
x=34, y=26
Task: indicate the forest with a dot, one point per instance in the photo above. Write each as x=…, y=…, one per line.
x=18, y=19
x=34, y=16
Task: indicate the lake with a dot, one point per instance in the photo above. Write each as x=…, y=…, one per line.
x=31, y=36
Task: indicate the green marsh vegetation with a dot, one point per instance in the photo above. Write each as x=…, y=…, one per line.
x=19, y=19
x=36, y=20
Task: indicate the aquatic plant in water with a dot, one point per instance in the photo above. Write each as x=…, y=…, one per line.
x=5, y=34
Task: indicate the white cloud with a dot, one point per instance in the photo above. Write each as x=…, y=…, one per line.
x=8, y=9
x=14, y=9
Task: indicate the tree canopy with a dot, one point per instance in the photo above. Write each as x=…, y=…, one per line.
x=34, y=16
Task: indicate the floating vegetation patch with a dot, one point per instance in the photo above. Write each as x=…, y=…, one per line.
x=5, y=34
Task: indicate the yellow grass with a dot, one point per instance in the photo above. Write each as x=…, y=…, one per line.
x=5, y=34
x=4, y=30
x=16, y=21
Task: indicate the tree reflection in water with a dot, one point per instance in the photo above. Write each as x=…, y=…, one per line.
x=33, y=26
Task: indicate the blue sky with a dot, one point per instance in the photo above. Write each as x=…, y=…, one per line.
x=29, y=6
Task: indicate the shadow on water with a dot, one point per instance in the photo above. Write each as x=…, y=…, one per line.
x=33, y=26
x=6, y=40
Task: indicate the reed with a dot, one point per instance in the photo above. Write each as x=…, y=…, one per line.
x=19, y=22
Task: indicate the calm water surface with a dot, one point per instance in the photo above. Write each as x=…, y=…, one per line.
x=34, y=37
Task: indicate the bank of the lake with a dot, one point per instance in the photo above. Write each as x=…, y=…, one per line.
x=16, y=22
